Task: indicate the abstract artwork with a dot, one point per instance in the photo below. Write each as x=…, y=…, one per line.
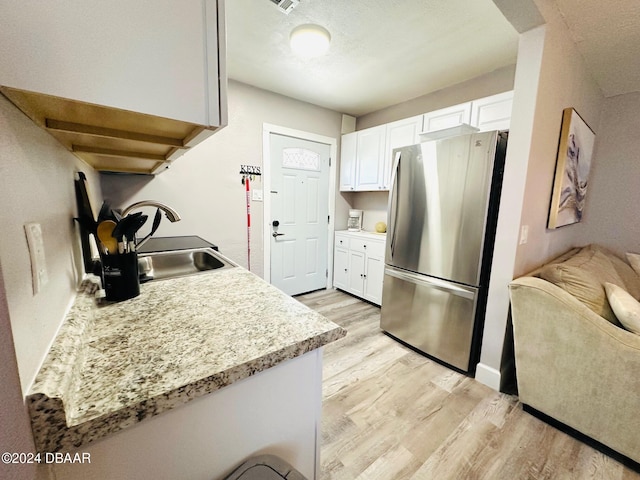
x=572, y=170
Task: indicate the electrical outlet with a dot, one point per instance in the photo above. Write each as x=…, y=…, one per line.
x=36, y=254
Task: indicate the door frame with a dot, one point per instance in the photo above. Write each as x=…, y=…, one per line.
x=267, y=130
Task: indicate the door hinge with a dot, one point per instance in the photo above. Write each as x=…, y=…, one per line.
x=328, y=219
x=326, y=273
x=329, y=161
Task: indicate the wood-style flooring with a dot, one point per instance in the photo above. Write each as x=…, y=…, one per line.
x=390, y=413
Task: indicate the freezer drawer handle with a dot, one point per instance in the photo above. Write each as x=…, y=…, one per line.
x=432, y=282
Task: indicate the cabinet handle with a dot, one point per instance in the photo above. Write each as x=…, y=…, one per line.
x=365, y=246
x=365, y=275
x=345, y=269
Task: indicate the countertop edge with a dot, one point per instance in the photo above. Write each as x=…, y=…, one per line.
x=53, y=433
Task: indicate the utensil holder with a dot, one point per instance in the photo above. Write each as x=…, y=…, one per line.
x=120, y=272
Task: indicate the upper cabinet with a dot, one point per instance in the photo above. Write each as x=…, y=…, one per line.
x=399, y=134
x=348, y=148
x=370, y=158
x=127, y=86
x=492, y=113
x=447, y=117
x=366, y=157
x=489, y=113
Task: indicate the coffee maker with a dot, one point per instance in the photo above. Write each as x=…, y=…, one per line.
x=354, y=223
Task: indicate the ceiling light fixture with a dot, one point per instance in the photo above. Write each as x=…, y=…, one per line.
x=310, y=40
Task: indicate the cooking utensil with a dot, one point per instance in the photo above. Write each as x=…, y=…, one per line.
x=156, y=223
x=105, y=235
x=130, y=232
x=123, y=228
x=105, y=212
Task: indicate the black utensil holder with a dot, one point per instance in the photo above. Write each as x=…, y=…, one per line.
x=120, y=272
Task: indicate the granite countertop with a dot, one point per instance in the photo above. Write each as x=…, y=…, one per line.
x=114, y=365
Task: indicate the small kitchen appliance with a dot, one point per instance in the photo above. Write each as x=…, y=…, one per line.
x=354, y=223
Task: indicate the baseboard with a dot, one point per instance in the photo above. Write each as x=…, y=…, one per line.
x=601, y=447
x=488, y=376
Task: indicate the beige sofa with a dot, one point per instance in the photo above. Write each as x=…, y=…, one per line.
x=574, y=362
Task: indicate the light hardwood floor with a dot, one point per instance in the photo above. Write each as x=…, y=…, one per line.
x=390, y=413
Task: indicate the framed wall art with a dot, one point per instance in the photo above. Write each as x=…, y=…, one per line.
x=573, y=164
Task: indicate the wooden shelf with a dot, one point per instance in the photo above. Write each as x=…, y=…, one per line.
x=110, y=139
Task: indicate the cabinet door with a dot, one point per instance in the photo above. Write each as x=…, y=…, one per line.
x=341, y=268
x=370, y=155
x=447, y=117
x=356, y=273
x=348, y=161
x=399, y=134
x=374, y=277
x=158, y=58
x=492, y=113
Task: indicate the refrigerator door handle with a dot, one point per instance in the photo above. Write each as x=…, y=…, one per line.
x=393, y=204
x=454, y=289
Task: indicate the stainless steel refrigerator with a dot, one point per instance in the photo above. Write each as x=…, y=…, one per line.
x=442, y=216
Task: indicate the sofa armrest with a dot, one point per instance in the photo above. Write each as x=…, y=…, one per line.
x=575, y=366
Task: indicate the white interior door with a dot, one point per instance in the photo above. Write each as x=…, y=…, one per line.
x=299, y=213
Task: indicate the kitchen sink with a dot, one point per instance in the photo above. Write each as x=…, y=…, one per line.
x=180, y=263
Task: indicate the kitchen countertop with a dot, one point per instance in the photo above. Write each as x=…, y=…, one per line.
x=364, y=233
x=112, y=366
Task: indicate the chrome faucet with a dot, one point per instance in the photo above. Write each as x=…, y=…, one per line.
x=169, y=212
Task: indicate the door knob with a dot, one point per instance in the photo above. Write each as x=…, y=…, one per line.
x=276, y=234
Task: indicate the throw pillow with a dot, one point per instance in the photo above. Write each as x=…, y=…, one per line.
x=626, y=308
x=634, y=261
x=627, y=274
x=583, y=276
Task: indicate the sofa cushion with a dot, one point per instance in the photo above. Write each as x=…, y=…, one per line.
x=626, y=308
x=634, y=261
x=623, y=269
x=583, y=276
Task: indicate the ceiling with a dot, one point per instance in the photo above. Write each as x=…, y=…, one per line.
x=607, y=34
x=383, y=53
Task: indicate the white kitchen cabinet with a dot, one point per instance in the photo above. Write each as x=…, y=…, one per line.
x=117, y=80
x=367, y=155
x=399, y=134
x=359, y=264
x=370, y=158
x=366, y=159
x=447, y=117
x=341, y=262
x=492, y=113
x=348, y=149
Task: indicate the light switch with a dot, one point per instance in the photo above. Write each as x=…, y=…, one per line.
x=36, y=254
x=524, y=234
x=256, y=195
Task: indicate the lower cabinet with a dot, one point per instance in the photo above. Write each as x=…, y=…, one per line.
x=359, y=264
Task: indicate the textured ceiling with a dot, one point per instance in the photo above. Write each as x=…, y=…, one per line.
x=607, y=34
x=382, y=52
x=386, y=52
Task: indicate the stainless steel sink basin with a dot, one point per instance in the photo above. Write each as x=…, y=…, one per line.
x=180, y=263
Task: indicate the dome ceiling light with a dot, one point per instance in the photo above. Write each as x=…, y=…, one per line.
x=310, y=40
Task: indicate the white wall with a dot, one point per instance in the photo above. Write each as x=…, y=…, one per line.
x=37, y=185
x=15, y=433
x=564, y=82
x=498, y=81
x=612, y=201
x=204, y=185
x=553, y=81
